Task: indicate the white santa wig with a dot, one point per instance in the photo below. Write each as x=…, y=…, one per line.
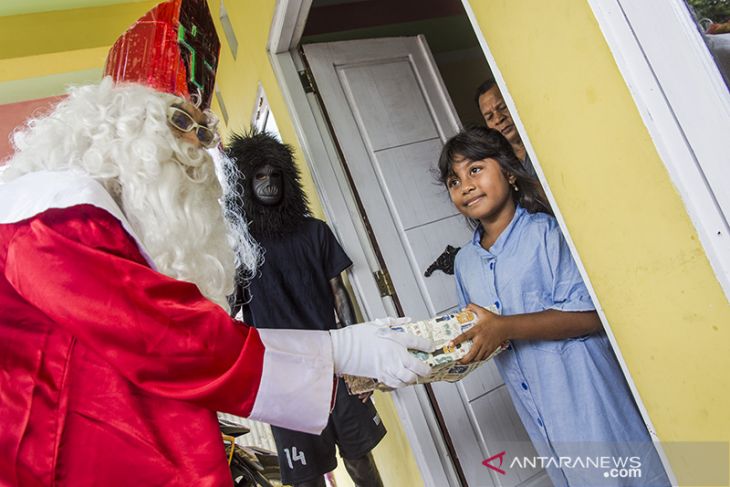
x=166, y=187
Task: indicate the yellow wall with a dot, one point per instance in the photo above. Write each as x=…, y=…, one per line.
x=43, y=75
x=238, y=79
x=42, y=53
x=66, y=30
x=631, y=229
x=238, y=82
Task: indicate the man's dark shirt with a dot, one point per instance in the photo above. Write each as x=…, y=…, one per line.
x=292, y=288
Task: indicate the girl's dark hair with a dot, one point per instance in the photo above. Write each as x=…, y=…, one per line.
x=478, y=143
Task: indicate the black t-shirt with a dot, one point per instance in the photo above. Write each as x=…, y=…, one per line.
x=292, y=288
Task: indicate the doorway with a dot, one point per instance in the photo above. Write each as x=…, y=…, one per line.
x=389, y=83
x=444, y=24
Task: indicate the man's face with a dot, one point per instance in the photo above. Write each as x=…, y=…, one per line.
x=496, y=115
x=198, y=116
x=268, y=185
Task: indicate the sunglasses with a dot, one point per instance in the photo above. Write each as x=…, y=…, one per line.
x=181, y=120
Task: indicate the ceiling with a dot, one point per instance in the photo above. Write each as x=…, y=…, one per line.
x=19, y=7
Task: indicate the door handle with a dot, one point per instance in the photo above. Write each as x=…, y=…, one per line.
x=444, y=262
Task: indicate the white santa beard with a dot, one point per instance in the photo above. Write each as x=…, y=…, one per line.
x=166, y=187
x=179, y=218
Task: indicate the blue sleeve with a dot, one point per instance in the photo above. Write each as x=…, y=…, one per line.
x=569, y=292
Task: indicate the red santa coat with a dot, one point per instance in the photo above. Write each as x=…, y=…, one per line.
x=110, y=372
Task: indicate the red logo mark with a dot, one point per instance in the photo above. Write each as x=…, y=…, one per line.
x=487, y=463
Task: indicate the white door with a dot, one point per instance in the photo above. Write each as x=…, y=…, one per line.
x=391, y=115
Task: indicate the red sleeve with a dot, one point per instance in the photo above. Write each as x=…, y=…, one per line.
x=82, y=269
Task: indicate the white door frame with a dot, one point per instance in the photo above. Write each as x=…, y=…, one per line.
x=340, y=206
x=686, y=110
x=509, y=101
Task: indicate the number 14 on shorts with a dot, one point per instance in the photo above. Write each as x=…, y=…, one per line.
x=294, y=456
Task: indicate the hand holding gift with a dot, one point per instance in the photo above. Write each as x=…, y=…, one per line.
x=374, y=348
x=445, y=356
x=488, y=335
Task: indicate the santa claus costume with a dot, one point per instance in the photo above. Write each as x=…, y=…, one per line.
x=116, y=347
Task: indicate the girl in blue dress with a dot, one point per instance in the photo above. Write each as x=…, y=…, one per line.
x=559, y=368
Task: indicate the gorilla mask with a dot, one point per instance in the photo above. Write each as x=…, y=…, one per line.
x=271, y=186
x=268, y=185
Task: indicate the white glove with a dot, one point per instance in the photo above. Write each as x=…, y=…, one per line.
x=374, y=350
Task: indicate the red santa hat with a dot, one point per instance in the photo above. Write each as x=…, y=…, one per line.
x=173, y=48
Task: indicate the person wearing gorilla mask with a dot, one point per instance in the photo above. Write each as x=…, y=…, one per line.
x=299, y=285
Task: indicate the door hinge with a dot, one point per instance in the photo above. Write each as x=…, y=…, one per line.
x=385, y=285
x=307, y=80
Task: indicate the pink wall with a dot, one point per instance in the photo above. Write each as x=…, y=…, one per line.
x=13, y=115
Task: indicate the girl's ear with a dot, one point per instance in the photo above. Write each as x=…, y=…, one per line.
x=512, y=181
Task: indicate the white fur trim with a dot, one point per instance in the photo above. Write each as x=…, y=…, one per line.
x=297, y=380
x=36, y=192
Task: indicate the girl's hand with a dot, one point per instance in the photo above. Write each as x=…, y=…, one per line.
x=487, y=335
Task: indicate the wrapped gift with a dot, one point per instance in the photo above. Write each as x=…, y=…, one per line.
x=443, y=359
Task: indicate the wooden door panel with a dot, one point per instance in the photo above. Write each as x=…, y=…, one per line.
x=502, y=430
x=391, y=115
x=478, y=384
x=388, y=103
x=415, y=195
x=427, y=242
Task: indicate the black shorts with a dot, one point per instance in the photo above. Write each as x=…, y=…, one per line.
x=355, y=427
